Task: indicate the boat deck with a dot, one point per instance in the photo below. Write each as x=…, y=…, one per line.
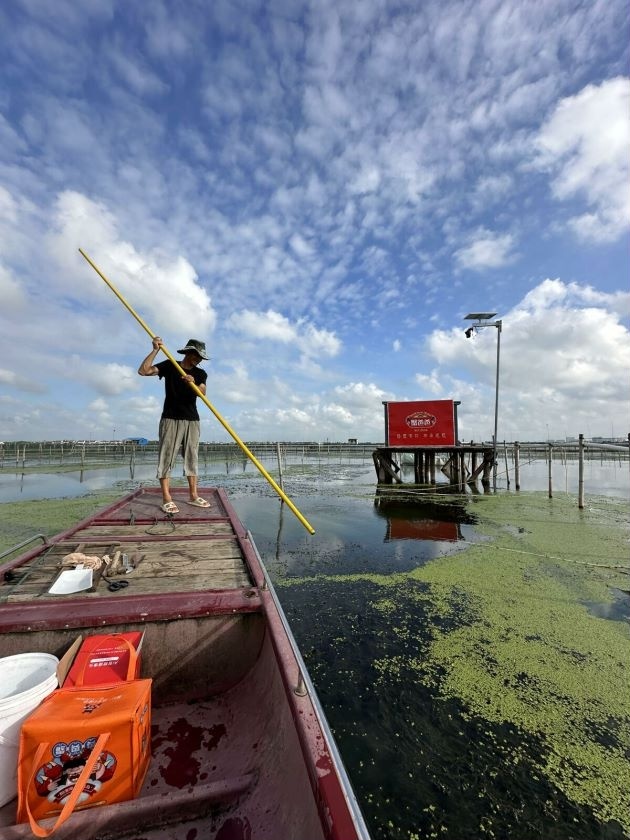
x=198, y=549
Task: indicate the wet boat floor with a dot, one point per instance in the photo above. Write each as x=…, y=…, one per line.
x=206, y=758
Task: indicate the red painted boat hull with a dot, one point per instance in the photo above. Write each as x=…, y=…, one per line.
x=240, y=746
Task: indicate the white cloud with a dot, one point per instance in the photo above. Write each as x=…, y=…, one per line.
x=236, y=385
x=158, y=285
x=134, y=72
x=486, y=250
x=489, y=189
x=431, y=384
x=564, y=362
x=17, y=382
x=300, y=246
x=263, y=325
x=109, y=379
x=11, y=293
x=273, y=326
x=367, y=180
x=584, y=145
x=352, y=410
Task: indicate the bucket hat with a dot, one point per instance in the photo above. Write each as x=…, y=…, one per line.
x=195, y=346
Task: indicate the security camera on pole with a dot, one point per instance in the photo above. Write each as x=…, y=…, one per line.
x=483, y=320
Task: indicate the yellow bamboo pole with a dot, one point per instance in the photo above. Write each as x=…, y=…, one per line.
x=202, y=396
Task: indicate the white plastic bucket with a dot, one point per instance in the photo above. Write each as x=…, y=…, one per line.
x=25, y=680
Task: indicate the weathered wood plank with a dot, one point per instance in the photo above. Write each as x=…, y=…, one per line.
x=150, y=586
x=185, y=568
x=184, y=529
x=219, y=564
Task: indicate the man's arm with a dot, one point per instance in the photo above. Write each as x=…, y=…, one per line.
x=147, y=368
x=190, y=378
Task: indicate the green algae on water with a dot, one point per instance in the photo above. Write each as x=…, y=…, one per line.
x=530, y=652
x=511, y=637
x=21, y=520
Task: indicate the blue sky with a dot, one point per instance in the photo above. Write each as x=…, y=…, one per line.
x=321, y=191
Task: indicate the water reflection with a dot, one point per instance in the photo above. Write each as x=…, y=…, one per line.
x=420, y=519
x=352, y=535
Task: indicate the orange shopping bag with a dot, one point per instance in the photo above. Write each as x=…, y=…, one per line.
x=83, y=746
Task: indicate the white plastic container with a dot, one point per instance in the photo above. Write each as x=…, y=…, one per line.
x=25, y=680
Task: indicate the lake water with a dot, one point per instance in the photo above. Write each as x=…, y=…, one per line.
x=603, y=476
x=422, y=765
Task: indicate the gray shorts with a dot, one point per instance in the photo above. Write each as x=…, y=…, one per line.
x=178, y=436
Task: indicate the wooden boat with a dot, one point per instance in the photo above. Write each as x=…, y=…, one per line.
x=240, y=746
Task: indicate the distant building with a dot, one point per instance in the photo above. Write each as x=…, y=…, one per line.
x=139, y=441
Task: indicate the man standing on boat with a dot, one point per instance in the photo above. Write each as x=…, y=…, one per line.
x=179, y=424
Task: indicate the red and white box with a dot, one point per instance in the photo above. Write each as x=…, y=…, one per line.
x=104, y=659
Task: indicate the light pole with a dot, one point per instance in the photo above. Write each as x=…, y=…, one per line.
x=483, y=320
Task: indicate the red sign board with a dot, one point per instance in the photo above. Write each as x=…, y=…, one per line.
x=420, y=423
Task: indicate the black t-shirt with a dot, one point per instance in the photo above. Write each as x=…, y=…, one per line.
x=180, y=399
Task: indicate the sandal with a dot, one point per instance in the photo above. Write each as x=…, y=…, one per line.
x=170, y=507
x=199, y=502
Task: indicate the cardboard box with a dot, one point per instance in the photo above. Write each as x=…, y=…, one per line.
x=103, y=659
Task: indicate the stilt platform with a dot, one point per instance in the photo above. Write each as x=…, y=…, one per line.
x=462, y=464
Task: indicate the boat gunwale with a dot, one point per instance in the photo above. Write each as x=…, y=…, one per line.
x=22, y=616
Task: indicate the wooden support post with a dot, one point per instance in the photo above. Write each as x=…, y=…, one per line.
x=432, y=467
x=377, y=465
x=550, y=462
x=488, y=461
x=279, y=454
x=447, y=468
x=517, y=466
x=581, y=472
x=480, y=468
x=507, y=469
x=456, y=480
x=417, y=467
x=386, y=469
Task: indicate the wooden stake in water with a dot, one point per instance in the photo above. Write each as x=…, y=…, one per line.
x=581, y=472
x=507, y=470
x=279, y=453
